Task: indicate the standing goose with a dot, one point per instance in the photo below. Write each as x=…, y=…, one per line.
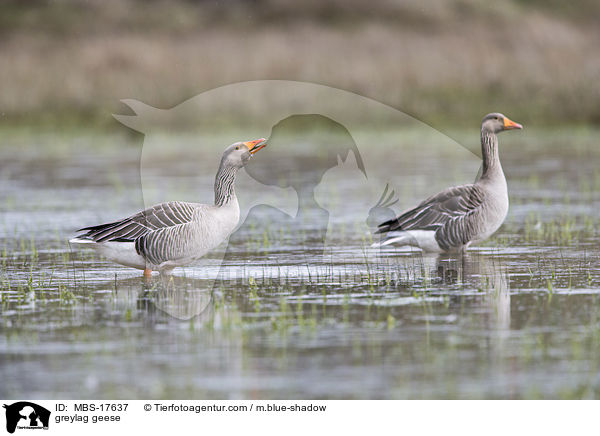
x=461, y=215
x=175, y=233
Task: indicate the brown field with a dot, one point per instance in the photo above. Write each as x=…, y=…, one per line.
x=70, y=62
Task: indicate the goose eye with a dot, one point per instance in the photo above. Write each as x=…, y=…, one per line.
x=237, y=148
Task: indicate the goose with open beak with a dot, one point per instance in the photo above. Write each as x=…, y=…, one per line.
x=175, y=233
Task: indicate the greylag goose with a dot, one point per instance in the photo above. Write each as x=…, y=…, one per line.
x=460, y=215
x=175, y=233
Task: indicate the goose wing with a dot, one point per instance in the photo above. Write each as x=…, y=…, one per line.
x=158, y=217
x=449, y=212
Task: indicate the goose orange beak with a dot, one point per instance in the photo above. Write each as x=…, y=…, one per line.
x=257, y=144
x=509, y=124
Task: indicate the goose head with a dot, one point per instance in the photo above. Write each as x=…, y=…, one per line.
x=496, y=122
x=237, y=155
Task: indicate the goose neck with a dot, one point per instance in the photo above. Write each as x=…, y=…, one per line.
x=224, y=185
x=489, y=151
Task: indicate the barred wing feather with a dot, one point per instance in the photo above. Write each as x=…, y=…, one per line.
x=451, y=213
x=160, y=216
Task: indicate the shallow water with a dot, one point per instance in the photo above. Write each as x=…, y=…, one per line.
x=289, y=314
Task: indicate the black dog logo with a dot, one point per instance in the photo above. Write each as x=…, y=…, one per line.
x=26, y=415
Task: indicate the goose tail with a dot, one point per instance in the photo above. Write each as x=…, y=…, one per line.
x=423, y=239
x=81, y=240
x=398, y=238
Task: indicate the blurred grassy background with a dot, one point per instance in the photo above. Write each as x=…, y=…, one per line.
x=69, y=62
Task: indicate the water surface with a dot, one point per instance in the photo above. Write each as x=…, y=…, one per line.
x=516, y=317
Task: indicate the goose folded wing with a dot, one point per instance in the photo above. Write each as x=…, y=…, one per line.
x=452, y=204
x=160, y=216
